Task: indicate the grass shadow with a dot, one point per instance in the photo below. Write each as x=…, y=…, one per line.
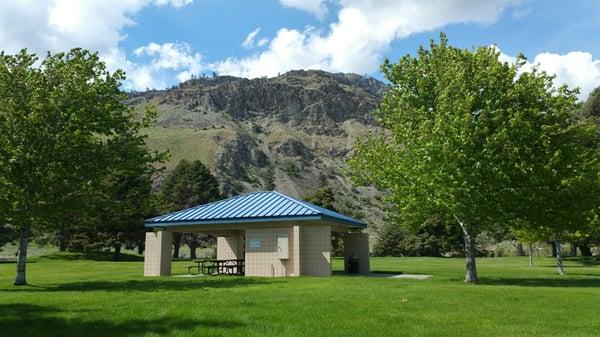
x=565, y=282
x=93, y=256
x=385, y=271
x=148, y=285
x=585, y=261
x=35, y=320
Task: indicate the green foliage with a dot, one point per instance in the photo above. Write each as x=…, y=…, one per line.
x=323, y=197
x=389, y=240
x=7, y=234
x=432, y=238
x=64, y=130
x=591, y=107
x=476, y=141
x=189, y=184
x=269, y=181
x=291, y=167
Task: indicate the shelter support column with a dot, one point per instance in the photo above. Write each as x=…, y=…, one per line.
x=157, y=256
x=315, y=250
x=294, y=261
x=230, y=247
x=356, y=250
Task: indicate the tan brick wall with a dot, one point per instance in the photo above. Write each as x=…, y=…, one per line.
x=315, y=250
x=230, y=248
x=357, y=245
x=264, y=260
x=157, y=255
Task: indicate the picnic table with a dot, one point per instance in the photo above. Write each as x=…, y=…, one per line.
x=218, y=267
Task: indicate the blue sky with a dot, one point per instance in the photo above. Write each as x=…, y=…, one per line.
x=162, y=42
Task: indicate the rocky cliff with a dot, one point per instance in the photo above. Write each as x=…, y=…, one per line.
x=299, y=127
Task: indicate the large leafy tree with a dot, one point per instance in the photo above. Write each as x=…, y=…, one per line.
x=458, y=130
x=64, y=128
x=189, y=184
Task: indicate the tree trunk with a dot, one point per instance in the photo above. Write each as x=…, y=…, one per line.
x=117, y=246
x=63, y=242
x=559, y=261
x=520, y=251
x=471, y=272
x=140, y=248
x=176, y=246
x=553, y=249
x=573, y=251
x=20, y=279
x=585, y=249
x=530, y=255
x=192, y=250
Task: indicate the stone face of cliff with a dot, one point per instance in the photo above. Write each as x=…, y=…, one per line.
x=299, y=127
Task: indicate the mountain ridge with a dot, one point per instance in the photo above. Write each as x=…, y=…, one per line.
x=302, y=124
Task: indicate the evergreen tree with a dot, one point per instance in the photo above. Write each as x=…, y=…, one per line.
x=189, y=184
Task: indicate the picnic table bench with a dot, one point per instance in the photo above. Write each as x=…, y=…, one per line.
x=218, y=267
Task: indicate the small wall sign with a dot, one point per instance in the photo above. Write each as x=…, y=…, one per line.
x=255, y=243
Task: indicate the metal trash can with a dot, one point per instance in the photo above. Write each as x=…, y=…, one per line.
x=353, y=267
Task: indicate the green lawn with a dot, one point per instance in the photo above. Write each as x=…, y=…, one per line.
x=72, y=296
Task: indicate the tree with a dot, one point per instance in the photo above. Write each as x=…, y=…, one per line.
x=556, y=173
x=64, y=127
x=126, y=202
x=457, y=129
x=591, y=107
x=269, y=183
x=189, y=184
x=7, y=234
x=590, y=112
x=431, y=238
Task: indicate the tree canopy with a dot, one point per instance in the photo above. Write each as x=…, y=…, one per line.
x=478, y=142
x=64, y=129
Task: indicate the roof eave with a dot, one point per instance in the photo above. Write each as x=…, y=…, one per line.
x=151, y=224
x=350, y=223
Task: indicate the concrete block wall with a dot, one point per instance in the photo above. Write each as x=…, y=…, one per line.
x=157, y=255
x=262, y=259
x=315, y=250
x=356, y=245
x=230, y=248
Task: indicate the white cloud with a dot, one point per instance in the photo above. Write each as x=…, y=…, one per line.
x=172, y=56
x=262, y=42
x=174, y=3
x=249, y=41
x=315, y=7
x=575, y=69
x=59, y=25
x=361, y=35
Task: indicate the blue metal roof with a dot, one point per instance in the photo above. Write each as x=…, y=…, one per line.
x=252, y=207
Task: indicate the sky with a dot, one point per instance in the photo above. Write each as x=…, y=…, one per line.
x=160, y=43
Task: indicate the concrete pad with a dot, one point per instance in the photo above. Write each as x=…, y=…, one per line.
x=188, y=275
x=403, y=276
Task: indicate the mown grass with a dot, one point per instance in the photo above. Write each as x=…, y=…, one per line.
x=76, y=295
